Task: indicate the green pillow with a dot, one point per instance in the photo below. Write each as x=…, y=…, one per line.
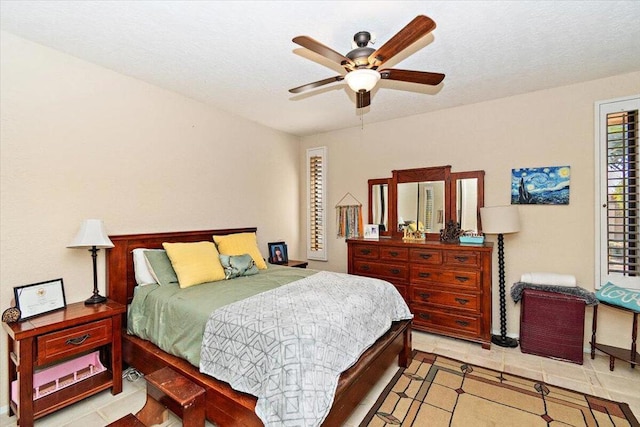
x=161, y=268
x=238, y=265
x=619, y=296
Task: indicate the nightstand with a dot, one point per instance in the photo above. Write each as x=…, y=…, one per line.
x=48, y=340
x=296, y=264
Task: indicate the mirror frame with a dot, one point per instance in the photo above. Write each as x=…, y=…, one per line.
x=380, y=181
x=437, y=173
x=455, y=176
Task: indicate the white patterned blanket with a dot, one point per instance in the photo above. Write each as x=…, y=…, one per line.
x=288, y=346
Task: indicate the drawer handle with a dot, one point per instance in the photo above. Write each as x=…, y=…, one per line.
x=394, y=254
x=462, y=279
x=462, y=323
x=79, y=340
x=462, y=301
x=425, y=316
x=461, y=258
x=395, y=271
x=424, y=274
x=365, y=268
x=425, y=256
x=424, y=295
x=365, y=251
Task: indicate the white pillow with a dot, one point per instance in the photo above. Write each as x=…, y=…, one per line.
x=141, y=268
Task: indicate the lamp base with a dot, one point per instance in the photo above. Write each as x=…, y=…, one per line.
x=95, y=299
x=506, y=342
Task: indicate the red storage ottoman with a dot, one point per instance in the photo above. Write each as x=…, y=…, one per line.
x=552, y=325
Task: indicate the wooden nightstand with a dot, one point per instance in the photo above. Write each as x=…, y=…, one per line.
x=50, y=339
x=295, y=263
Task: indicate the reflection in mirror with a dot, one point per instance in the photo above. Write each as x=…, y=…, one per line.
x=467, y=203
x=421, y=203
x=379, y=206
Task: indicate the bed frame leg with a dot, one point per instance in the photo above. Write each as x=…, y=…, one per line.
x=404, y=358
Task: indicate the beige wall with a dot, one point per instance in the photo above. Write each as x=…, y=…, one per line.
x=79, y=141
x=546, y=128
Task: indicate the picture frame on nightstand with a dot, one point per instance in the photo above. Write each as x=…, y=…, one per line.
x=278, y=253
x=39, y=298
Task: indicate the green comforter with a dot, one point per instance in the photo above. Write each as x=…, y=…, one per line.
x=174, y=319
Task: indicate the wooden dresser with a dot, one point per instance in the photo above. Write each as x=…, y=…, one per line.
x=447, y=286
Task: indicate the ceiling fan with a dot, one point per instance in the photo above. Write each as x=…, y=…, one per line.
x=362, y=63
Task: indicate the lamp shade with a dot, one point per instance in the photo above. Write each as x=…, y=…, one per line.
x=500, y=219
x=91, y=234
x=362, y=79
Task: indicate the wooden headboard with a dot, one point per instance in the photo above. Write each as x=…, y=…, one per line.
x=120, y=274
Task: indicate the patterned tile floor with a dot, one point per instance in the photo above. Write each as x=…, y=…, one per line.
x=593, y=377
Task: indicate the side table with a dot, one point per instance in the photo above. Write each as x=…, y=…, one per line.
x=628, y=355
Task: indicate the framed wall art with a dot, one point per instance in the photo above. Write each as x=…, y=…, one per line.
x=540, y=186
x=39, y=298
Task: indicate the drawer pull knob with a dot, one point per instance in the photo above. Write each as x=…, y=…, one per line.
x=425, y=316
x=462, y=323
x=424, y=295
x=424, y=274
x=462, y=301
x=425, y=256
x=462, y=279
x=365, y=268
x=78, y=341
x=394, y=254
x=365, y=251
x=461, y=258
x=395, y=271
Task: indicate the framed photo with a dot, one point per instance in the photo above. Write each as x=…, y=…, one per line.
x=278, y=253
x=39, y=298
x=371, y=231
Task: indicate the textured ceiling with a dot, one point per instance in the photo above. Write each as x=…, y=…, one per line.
x=239, y=57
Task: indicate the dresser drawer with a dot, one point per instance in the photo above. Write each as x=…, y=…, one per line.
x=366, y=251
x=392, y=253
x=382, y=270
x=455, y=278
x=449, y=300
x=456, y=323
x=71, y=341
x=462, y=258
x=426, y=256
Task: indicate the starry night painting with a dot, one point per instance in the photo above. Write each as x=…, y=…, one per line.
x=540, y=186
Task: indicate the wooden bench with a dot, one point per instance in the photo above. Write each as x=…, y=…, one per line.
x=168, y=389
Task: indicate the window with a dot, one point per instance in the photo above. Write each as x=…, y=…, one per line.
x=618, y=207
x=316, y=203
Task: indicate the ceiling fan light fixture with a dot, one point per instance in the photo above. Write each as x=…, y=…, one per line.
x=363, y=79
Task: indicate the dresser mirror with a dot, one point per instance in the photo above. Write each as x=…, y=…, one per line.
x=379, y=204
x=426, y=198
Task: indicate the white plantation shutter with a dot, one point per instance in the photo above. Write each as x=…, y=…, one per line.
x=619, y=259
x=316, y=203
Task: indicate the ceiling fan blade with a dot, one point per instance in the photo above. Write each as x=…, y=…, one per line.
x=421, y=77
x=416, y=29
x=316, y=84
x=319, y=48
x=363, y=99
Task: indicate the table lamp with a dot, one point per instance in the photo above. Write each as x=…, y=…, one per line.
x=501, y=220
x=92, y=235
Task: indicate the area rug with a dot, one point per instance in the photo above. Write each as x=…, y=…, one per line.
x=436, y=391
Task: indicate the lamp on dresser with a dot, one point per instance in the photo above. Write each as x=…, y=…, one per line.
x=93, y=236
x=501, y=220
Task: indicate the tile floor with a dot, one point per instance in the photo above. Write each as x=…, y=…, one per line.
x=593, y=377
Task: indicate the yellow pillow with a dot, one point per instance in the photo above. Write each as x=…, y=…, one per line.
x=240, y=244
x=195, y=263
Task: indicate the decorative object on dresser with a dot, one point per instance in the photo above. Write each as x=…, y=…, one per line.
x=501, y=220
x=447, y=286
x=92, y=235
x=451, y=232
x=67, y=343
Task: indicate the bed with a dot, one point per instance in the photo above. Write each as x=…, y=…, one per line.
x=224, y=405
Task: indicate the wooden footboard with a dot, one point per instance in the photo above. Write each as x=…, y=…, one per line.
x=225, y=406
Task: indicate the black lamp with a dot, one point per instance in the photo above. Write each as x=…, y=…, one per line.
x=93, y=236
x=501, y=220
